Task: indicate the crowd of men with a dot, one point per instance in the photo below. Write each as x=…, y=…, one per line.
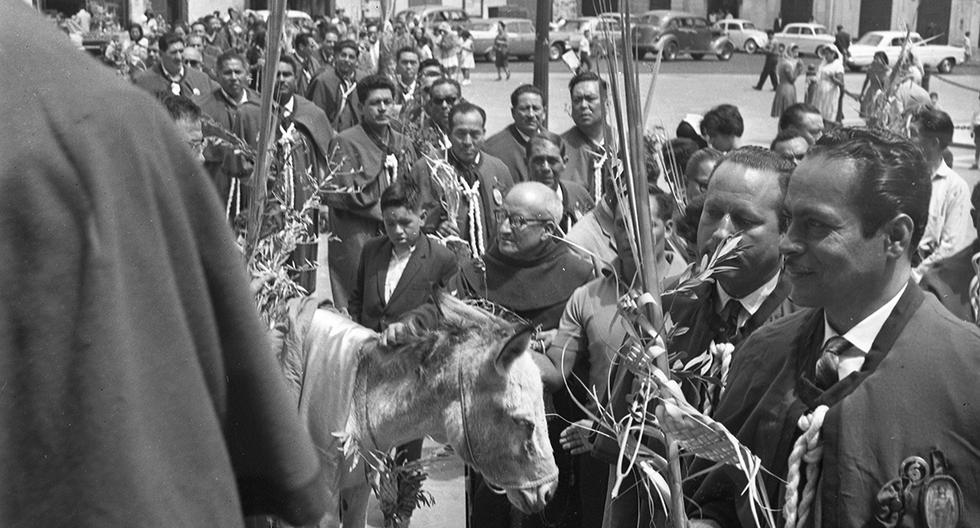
x=856, y=286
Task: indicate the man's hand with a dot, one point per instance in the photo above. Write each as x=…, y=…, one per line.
x=542, y=340
x=447, y=228
x=394, y=335
x=576, y=437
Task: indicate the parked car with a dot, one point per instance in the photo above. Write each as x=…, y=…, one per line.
x=296, y=18
x=520, y=37
x=743, y=34
x=431, y=16
x=675, y=33
x=568, y=35
x=810, y=38
x=938, y=56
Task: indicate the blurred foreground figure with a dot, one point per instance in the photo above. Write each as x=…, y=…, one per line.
x=138, y=388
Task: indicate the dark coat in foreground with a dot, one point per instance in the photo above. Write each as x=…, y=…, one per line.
x=916, y=391
x=138, y=384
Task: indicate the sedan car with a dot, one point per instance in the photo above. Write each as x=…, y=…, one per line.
x=675, y=33
x=810, y=38
x=743, y=34
x=937, y=56
x=520, y=37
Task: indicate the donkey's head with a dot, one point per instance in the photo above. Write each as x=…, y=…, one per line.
x=499, y=425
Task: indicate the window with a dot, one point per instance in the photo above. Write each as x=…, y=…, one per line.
x=748, y=25
x=699, y=22
x=898, y=41
x=806, y=31
x=870, y=39
x=819, y=30
x=793, y=30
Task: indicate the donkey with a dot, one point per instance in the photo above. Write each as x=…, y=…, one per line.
x=467, y=383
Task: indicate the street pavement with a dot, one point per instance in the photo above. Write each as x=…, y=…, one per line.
x=682, y=88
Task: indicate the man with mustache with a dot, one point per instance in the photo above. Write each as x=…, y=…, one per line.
x=546, y=158
x=855, y=209
x=510, y=144
x=480, y=179
x=369, y=157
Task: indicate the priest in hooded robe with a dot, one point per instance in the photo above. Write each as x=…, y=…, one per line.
x=532, y=274
x=311, y=133
x=333, y=89
x=365, y=159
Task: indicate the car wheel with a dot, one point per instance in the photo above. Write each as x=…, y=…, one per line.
x=670, y=51
x=751, y=47
x=726, y=52
x=697, y=56
x=818, y=51
x=946, y=66
x=555, y=52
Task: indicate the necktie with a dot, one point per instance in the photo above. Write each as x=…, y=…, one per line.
x=975, y=288
x=729, y=318
x=826, y=371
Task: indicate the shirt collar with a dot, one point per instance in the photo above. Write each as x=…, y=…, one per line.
x=231, y=99
x=751, y=302
x=863, y=334
x=943, y=171
x=290, y=104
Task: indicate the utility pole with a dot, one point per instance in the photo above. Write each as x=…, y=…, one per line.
x=542, y=45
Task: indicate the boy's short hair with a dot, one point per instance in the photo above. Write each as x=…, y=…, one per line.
x=723, y=119
x=401, y=194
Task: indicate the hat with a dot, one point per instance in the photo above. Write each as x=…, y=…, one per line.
x=444, y=26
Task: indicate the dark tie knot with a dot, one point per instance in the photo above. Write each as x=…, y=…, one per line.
x=836, y=345
x=826, y=374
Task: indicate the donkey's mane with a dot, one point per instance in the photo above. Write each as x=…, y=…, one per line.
x=423, y=346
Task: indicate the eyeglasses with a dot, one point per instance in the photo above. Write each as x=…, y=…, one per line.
x=517, y=222
x=192, y=63
x=442, y=100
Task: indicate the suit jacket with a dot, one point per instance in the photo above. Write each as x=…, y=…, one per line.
x=325, y=92
x=241, y=120
x=193, y=84
x=872, y=424
x=430, y=266
x=949, y=280
x=511, y=148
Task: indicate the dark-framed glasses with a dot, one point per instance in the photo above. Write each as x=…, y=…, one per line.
x=517, y=222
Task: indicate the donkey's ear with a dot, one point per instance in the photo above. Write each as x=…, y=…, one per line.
x=512, y=349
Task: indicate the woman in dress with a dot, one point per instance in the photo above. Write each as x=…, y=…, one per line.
x=873, y=89
x=466, y=61
x=501, y=47
x=788, y=69
x=447, y=44
x=829, y=83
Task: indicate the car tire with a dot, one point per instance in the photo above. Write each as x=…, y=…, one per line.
x=697, y=56
x=945, y=66
x=818, y=51
x=750, y=47
x=555, y=51
x=726, y=52
x=670, y=51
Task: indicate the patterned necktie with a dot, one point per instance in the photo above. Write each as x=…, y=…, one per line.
x=975, y=288
x=826, y=371
x=729, y=319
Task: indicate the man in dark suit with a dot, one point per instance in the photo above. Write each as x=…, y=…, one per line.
x=855, y=210
x=955, y=280
x=744, y=196
x=510, y=144
x=399, y=271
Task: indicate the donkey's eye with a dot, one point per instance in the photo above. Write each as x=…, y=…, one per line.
x=525, y=424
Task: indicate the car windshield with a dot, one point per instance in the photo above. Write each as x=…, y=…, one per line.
x=869, y=39
x=915, y=39
x=748, y=25
x=571, y=25
x=481, y=26
x=653, y=20
x=820, y=31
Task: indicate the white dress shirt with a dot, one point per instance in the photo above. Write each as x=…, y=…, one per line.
x=396, y=267
x=751, y=302
x=862, y=336
x=949, y=228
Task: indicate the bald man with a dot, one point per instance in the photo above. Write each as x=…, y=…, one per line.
x=531, y=273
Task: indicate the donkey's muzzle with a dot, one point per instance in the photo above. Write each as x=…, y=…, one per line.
x=534, y=499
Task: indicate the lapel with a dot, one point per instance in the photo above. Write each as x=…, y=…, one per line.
x=807, y=351
x=380, y=271
x=415, y=264
x=768, y=308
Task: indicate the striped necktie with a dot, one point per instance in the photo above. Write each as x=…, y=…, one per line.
x=826, y=372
